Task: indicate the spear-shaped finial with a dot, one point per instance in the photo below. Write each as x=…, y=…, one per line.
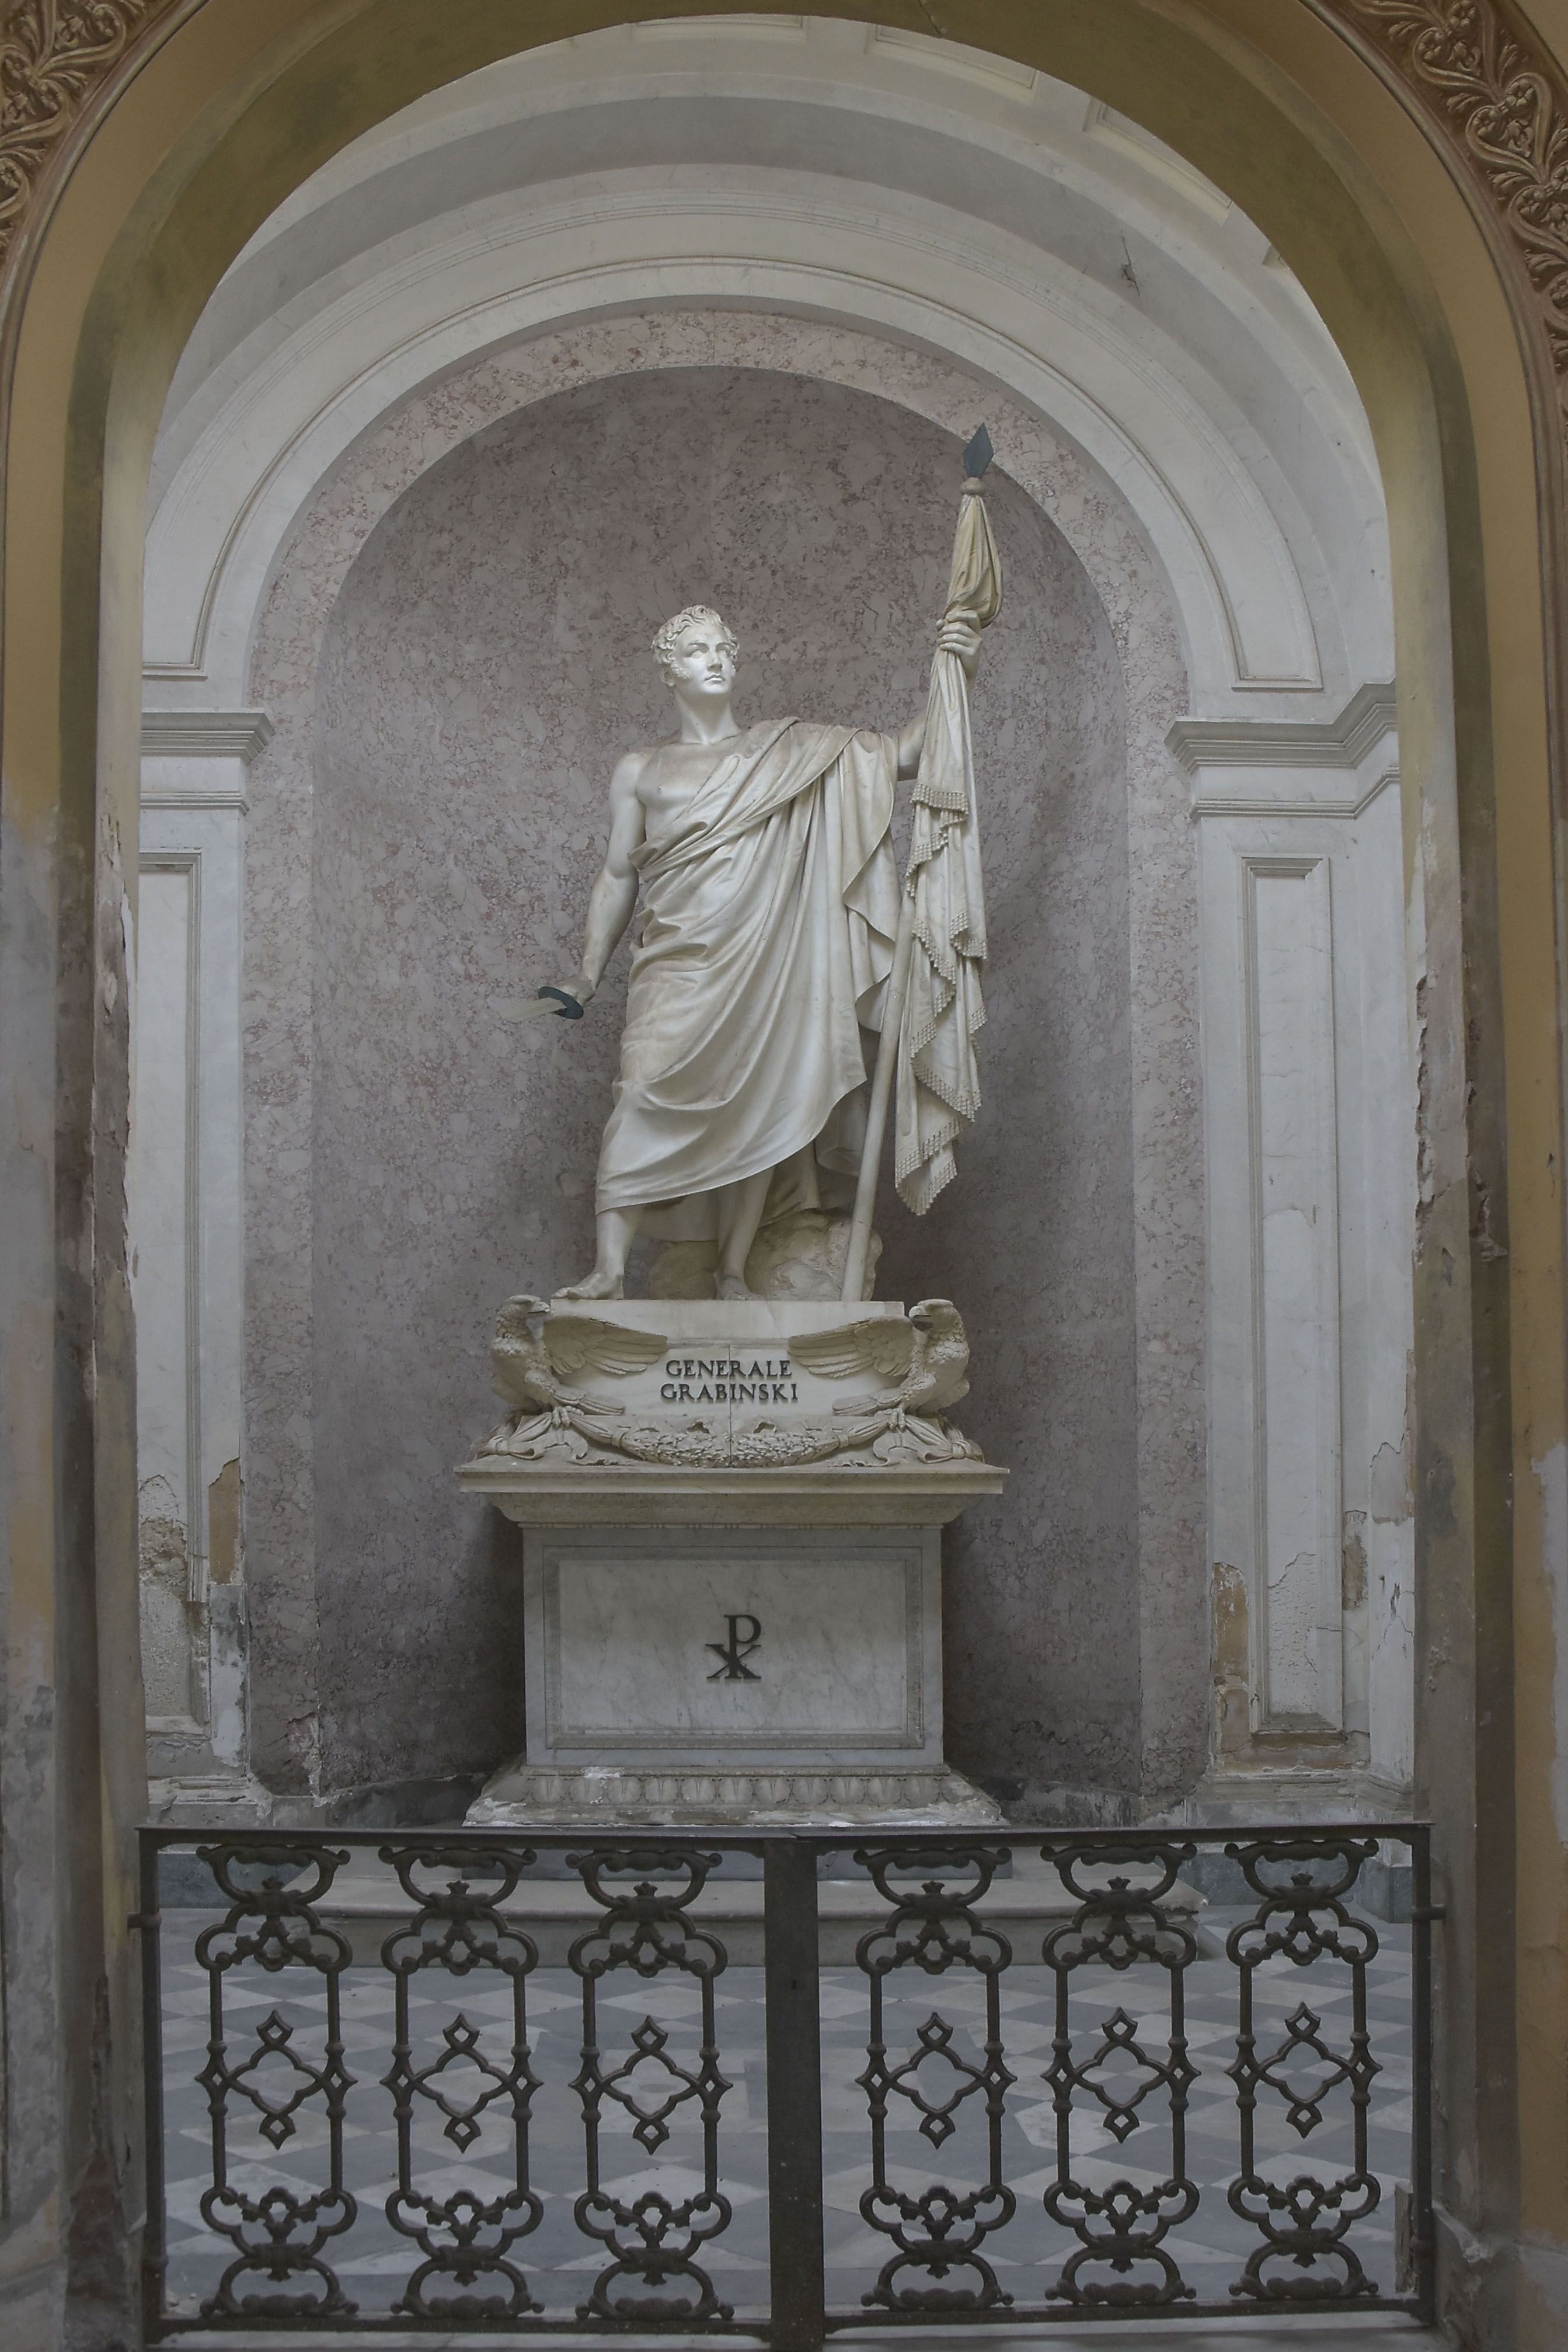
x=978, y=454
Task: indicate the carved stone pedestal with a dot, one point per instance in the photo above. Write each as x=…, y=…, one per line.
x=710, y=1640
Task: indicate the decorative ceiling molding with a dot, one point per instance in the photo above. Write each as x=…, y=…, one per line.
x=1475, y=72
x=57, y=59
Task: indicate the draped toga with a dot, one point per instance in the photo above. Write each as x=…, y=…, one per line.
x=769, y=907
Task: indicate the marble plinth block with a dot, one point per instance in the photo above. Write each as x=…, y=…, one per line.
x=712, y=1636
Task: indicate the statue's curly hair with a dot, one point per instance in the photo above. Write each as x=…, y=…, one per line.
x=695, y=616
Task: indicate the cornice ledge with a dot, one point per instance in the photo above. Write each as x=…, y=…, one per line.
x=204, y=734
x=1341, y=743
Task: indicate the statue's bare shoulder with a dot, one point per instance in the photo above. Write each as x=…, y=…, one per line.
x=657, y=776
x=630, y=770
x=632, y=763
x=636, y=776
x=627, y=813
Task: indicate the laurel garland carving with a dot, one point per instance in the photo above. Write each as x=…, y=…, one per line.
x=1505, y=110
x=55, y=56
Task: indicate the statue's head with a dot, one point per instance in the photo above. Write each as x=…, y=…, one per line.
x=696, y=651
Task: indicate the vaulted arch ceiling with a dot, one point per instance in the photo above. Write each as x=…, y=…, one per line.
x=921, y=192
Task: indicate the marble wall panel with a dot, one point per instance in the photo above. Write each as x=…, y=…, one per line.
x=485, y=662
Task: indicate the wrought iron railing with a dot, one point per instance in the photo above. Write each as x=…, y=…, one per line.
x=702, y=2082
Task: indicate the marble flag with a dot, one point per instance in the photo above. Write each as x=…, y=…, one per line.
x=938, y=1082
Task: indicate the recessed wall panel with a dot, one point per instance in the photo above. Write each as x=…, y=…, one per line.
x=1288, y=954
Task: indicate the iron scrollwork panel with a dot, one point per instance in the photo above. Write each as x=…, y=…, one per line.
x=279, y=2233
x=459, y=1927
x=940, y=2232
x=1122, y=2260
x=1292, y=1995
x=1306, y=2255
x=653, y=2240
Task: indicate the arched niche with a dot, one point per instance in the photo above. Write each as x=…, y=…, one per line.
x=1317, y=137
x=497, y=639
x=1237, y=458
x=836, y=174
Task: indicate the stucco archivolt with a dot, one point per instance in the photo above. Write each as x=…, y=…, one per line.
x=1505, y=113
x=1470, y=73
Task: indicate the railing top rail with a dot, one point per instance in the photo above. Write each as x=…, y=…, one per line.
x=752, y=1840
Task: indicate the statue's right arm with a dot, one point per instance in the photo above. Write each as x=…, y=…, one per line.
x=614, y=894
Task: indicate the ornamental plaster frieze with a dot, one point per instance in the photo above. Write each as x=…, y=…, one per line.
x=195, y=760
x=1335, y=809
x=62, y=65
x=1503, y=111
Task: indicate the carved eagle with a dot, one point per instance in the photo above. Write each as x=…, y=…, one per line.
x=927, y=1354
x=534, y=1347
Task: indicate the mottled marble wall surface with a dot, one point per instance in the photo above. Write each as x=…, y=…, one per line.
x=486, y=664
x=449, y=699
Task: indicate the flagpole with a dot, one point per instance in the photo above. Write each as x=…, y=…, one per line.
x=854, y=1287
x=976, y=458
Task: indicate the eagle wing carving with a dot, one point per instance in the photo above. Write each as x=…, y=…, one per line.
x=584, y=1343
x=880, y=1344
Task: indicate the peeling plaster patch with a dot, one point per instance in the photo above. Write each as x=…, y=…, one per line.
x=1232, y=1714
x=1482, y=1232
x=1389, y=1484
x=1353, y=1559
x=223, y=1525
x=1426, y=1174
x=169, y=1618
x=1292, y=1567
x=1552, y=1475
x=305, y=1744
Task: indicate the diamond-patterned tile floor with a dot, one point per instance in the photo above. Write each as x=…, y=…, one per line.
x=278, y=2021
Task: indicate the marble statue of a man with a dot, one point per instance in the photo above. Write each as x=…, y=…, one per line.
x=770, y=897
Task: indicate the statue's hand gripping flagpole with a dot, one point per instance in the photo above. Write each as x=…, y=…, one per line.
x=934, y=1005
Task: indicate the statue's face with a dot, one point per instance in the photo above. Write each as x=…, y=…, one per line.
x=702, y=664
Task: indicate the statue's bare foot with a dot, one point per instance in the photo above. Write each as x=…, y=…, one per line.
x=597, y=1284
x=731, y=1286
